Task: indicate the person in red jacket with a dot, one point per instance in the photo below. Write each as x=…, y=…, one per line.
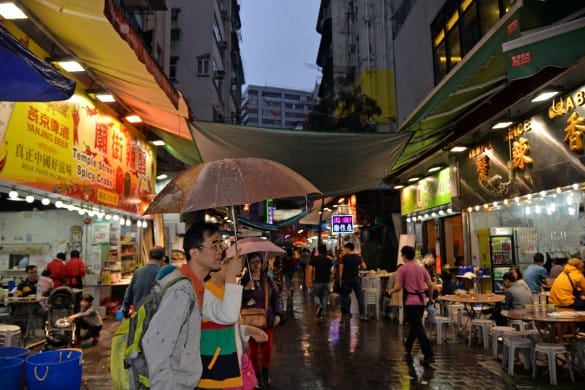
x=57, y=269
x=74, y=271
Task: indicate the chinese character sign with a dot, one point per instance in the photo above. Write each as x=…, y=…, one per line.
x=342, y=224
x=73, y=149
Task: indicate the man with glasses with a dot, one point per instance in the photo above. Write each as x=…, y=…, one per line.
x=172, y=340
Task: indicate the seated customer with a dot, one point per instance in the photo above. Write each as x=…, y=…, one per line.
x=516, y=294
x=516, y=297
x=561, y=292
x=87, y=319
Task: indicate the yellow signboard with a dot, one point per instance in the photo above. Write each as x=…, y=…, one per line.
x=73, y=149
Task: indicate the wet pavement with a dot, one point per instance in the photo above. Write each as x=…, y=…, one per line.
x=312, y=353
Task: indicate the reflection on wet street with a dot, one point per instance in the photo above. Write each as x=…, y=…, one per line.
x=329, y=353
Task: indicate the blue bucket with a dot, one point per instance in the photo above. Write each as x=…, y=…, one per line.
x=11, y=372
x=54, y=370
x=13, y=352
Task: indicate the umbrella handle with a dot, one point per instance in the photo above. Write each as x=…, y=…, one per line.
x=236, y=241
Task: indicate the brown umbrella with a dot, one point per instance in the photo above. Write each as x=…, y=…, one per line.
x=229, y=182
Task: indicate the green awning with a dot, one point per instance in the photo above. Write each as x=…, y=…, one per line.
x=559, y=46
x=184, y=150
x=481, y=74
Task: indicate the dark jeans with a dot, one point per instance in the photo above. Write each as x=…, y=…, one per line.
x=346, y=287
x=413, y=315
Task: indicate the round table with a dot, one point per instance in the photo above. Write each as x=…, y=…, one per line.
x=556, y=322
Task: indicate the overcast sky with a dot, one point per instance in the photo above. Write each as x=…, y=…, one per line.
x=279, y=42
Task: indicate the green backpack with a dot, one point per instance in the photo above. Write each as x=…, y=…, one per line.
x=128, y=367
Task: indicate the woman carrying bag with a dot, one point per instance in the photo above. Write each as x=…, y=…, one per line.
x=260, y=292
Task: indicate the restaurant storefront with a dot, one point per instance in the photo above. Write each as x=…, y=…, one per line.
x=88, y=178
x=431, y=220
x=527, y=179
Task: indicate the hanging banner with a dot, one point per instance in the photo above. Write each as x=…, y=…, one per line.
x=73, y=149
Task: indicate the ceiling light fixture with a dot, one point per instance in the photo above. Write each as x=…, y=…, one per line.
x=46, y=201
x=105, y=97
x=458, y=149
x=162, y=176
x=70, y=66
x=158, y=142
x=13, y=194
x=435, y=168
x=543, y=96
x=413, y=179
x=398, y=186
x=10, y=11
x=29, y=199
x=501, y=125
x=133, y=119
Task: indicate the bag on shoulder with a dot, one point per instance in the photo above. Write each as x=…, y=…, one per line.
x=256, y=316
x=128, y=366
x=253, y=316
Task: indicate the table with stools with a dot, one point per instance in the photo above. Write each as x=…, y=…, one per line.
x=26, y=311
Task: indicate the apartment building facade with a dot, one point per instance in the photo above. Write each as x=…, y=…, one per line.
x=197, y=44
x=276, y=107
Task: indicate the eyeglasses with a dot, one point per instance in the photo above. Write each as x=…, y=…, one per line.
x=215, y=245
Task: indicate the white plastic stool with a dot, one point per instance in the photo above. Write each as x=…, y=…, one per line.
x=578, y=352
x=456, y=313
x=511, y=344
x=439, y=322
x=520, y=324
x=551, y=350
x=10, y=335
x=483, y=326
x=497, y=332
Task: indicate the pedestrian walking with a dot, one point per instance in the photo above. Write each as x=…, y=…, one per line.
x=349, y=268
x=415, y=282
x=143, y=279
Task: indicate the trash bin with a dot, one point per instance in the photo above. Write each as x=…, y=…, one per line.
x=54, y=370
x=11, y=372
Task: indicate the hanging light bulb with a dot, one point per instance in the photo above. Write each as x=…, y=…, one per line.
x=122, y=221
x=29, y=199
x=13, y=194
x=46, y=201
x=128, y=222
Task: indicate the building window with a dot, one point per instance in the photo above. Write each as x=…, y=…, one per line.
x=217, y=31
x=458, y=27
x=203, y=65
x=173, y=68
x=175, y=14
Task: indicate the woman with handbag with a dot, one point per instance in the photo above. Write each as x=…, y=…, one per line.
x=569, y=286
x=262, y=298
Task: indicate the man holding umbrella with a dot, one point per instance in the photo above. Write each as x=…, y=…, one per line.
x=171, y=343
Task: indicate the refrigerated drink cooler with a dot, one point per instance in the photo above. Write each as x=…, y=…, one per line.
x=497, y=249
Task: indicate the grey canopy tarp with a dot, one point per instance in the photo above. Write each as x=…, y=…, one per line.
x=336, y=163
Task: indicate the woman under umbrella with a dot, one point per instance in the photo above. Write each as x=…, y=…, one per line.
x=260, y=291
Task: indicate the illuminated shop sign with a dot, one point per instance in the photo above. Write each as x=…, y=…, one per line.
x=342, y=223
